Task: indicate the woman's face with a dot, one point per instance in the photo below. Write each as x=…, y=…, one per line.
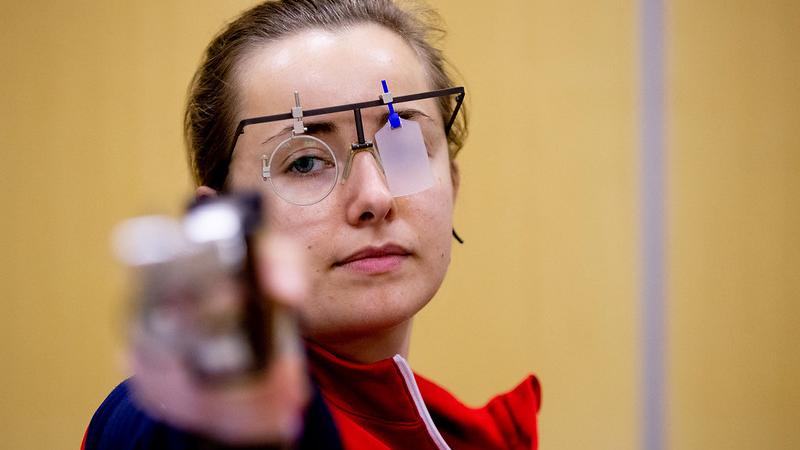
x=374, y=260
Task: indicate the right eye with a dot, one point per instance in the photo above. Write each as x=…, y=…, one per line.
x=304, y=161
x=307, y=164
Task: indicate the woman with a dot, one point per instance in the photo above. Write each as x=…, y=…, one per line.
x=366, y=239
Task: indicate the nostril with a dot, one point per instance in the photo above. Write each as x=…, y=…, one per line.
x=366, y=216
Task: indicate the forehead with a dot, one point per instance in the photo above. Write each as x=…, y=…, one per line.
x=327, y=68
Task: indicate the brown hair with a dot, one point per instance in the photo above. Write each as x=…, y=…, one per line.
x=210, y=122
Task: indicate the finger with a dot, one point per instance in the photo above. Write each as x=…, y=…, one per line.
x=282, y=271
x=267, y=408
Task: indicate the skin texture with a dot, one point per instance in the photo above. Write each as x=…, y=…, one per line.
x=364, y=317
x=360, y=315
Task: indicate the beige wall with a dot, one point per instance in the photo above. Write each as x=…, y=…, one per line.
x=91, y=95
x=734, y=200
x=547, y=279
x=91, y=113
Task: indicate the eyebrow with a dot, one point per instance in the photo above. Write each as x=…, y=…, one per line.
x=331, y=127
x=311, y=128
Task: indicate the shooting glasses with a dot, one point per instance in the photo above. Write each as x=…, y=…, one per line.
x=303, y=168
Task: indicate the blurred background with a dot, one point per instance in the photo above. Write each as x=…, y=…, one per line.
x=553, y=197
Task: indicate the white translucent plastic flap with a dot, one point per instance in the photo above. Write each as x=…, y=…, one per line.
x=404, y=158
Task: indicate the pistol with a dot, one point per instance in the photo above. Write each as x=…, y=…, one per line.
x=194, y=285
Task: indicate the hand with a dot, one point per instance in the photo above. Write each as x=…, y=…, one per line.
x=265, y=409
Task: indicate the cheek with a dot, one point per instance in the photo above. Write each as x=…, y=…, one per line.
x=308, y=227
x=304, y=225
x=433, y=212
x=441, y=196
x=281, y=217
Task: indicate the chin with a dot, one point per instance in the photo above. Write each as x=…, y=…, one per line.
x=359, y=309
x=362, y=316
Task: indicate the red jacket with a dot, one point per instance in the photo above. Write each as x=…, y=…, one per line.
x=356, y=406
x=385, y=405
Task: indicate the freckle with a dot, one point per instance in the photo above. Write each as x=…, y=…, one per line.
x=309, y=247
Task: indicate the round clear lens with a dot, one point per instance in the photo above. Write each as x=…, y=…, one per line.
x=302, y=170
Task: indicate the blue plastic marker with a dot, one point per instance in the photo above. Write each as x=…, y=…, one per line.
x=394, y=119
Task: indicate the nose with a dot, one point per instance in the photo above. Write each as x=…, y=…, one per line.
x=369, y=200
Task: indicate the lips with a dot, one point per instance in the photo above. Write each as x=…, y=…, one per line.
x=374, y=260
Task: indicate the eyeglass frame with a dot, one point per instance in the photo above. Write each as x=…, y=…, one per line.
x=458, y=91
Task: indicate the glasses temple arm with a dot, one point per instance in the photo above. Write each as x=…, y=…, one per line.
x=459, y=101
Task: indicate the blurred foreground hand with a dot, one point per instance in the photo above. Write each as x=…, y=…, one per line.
x=265, y=407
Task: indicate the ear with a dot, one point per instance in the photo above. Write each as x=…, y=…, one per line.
x=205, y=191
x=455, y=177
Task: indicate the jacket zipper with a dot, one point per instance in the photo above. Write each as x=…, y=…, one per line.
x=422, y=410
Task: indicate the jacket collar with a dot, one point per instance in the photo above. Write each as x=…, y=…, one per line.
x=374, y=391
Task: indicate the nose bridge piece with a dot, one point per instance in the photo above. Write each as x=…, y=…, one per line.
x=354, y=151
x=362, y=145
